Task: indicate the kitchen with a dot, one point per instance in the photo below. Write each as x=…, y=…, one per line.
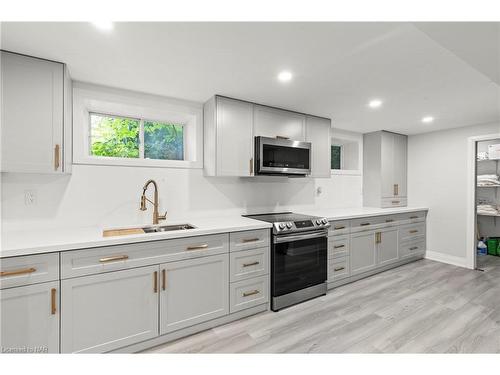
x=211, y=205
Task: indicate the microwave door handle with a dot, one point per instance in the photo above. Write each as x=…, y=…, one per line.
x=300, y=237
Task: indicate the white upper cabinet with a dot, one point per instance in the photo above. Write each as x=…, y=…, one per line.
x=36, y=125
x=318, y=133
x=272, y=122
x=385, y=169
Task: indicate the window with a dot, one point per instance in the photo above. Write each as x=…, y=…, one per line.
x=336, y=157
x=120, y=137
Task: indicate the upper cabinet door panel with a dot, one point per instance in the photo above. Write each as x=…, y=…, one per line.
x=234, y=137
x=272, y=122
x=400, y=162
x=32, y=114
x=387, y=164
x=318, y=133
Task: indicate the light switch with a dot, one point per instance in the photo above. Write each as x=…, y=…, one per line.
x=29, y=197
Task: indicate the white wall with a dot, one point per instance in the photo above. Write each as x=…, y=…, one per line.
x=437, y=178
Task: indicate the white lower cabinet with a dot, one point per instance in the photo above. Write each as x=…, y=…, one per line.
x=30, y=319
x=249, y=293
x=108, y=311
x=387, y=247
x=363, y=252
x=193, y=291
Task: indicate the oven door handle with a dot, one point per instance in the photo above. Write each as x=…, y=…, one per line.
x=299, y=237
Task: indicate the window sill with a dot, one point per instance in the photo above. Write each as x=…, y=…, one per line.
x=144, y=163
x=348, y=172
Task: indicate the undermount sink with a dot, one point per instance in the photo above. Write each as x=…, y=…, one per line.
x=167, y=228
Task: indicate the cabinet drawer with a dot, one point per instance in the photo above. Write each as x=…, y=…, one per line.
x=248, y=293
x=412, y=217
x=411, y=231
x=393, y=202
x=112, y=258
x=249, y=239
x=338, y=268
x=339, y=227
x=412, y=248
x=26, y=270
x=367, y=223
x=249, y=263
x=338, y=246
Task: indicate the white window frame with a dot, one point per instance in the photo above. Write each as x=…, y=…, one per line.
x=350, y=136
x=89, y=99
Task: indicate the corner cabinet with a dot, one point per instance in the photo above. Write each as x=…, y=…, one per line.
x=36, y=115
x=231, y=125
x=385, y=169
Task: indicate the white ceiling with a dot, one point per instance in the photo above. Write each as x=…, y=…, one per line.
x=449, y=71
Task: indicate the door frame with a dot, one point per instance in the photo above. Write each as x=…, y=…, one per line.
x=471, y=197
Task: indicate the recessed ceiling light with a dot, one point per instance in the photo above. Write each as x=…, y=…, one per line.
x=375, y=103
x=103, y=25
x=427, y=119
x=285, y=76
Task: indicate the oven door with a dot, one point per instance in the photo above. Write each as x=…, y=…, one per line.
x=298, y=261
x=282, y=156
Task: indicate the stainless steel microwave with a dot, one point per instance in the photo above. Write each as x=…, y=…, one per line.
x=278, y=156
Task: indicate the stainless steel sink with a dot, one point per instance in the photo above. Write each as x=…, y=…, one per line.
x=167, y=228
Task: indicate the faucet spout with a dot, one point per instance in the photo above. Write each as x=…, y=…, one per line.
x=156, y=216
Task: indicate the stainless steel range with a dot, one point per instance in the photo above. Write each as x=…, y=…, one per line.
x=298, y=257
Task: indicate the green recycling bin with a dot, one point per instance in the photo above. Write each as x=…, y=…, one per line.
x=493, y=246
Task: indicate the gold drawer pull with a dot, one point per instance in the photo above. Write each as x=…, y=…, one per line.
x=338, y=246
x=113, y=258
x=413, y=217
x=396, y=189
x=197, y=247
x=339, y=227
x=53, y=293
x=250, y=264
x=339, y=269
x=163, y=279
x=247, y=294
x=413, y=248
x=250, y=240
x=414, y=231
x=364, y=224
x=18, y=272
x=389, y=220
x=155, y=282
x=396, y=202
x=57, y=156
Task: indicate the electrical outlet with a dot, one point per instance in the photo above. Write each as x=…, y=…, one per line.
x=29, y=197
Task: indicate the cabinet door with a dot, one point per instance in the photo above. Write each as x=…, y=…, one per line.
x=387, y=247
x=32, y=114
x=109, y=311
x=193, y=291
x=387, y=164
x=234, y=137
x=272, y=122
x=400, y=164
x=363, y=252
x=30, y=318
x=318, y=133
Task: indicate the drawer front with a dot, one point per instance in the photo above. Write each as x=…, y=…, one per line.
x=339, y=227
x=367, y=223
x=248, y=263
x=248, y=293
x=393, y=202
x=411, y=231
x=412, y=217
x=411, y=248
x=338, y=246
x=113, y=258
x=390, y=221
x=338, y=268
x=249, y=239
x=26, y=270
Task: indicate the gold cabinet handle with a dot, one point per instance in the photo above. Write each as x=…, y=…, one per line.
x=17, y=272
x=389, y=220
x=247, y=294
x=57, y=156
x=250, y=240
x=378, y=237
x=113, y=258
x=197, y=247
x=338, y=246
x=396, y=189
x=251, y=166
x=250, y=264
x=413, y=217
x=339, y=269
x=413, y=248
x=364, y=224
x=396, y=202
x=53, y=293
x=155, y=282
x=163, y=279
x=339, y=227
x=414, y=231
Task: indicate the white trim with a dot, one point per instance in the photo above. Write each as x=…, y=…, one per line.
x=470, y=255
x=446, y=258
x=338, y=134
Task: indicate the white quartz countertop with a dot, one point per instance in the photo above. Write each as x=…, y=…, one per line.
x=38, y=241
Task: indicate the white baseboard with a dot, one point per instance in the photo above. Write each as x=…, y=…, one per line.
x=446, y=258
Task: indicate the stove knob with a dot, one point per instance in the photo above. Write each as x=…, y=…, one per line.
x=325, y=221
x=318, y=222
x=282, y=226
x=289, y=225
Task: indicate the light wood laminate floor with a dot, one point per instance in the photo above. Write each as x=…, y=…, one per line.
x=421, y=307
